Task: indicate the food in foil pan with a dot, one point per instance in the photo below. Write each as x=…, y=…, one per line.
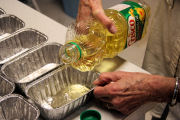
x=66, y=95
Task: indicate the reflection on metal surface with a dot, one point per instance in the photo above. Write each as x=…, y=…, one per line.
x=17, y=53
x=109, y=64
x=4, y=35
x=15, y=107
x=6, y=87
x=2, y=11
x=39, y=72
x=61, y=91
x=2, y=114
x=66, y=95
x=32, y=64
x=19, y=43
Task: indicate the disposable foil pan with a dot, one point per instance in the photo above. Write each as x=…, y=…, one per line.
x=6, y=87
x=9, y=24
x=43, y=90
x=32, y=65
x=2, y=11
x=15, y=107
x=19, y=42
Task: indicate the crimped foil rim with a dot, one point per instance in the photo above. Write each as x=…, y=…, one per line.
x=46, y=76
x=13, y=16
x=2, y=11
x=24, y=30
x=11, y=83
x=22, y=98
x=20, y=31
x=23, y=55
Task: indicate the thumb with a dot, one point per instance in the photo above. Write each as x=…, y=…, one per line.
x=98, y=13
x=105, y=78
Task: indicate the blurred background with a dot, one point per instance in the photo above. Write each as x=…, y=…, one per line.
x=62, y=11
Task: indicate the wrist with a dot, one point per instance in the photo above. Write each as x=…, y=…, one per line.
x=162, y=88
x=172, y=90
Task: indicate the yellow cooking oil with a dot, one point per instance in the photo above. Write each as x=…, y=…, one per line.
x=99, y=43
x=68, y=94
x=87, y=56
x=85, y=51
x=114, y=43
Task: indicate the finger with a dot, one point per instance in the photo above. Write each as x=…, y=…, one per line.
x=98, y=13
x=100, y=92
x=128, y=106
x=133, y=108
x=105, y=78
x=102, y=82
x=108, y=105
x=106, y=99
x=126, y=110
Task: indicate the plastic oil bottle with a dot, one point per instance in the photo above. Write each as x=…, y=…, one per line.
x=85, y=51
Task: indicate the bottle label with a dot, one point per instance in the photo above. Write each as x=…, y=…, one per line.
x=135, y=17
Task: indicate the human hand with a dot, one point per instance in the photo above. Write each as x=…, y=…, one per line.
x=126, y=91
x=89, y=9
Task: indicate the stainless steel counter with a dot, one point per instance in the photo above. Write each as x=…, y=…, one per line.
x=56, y=33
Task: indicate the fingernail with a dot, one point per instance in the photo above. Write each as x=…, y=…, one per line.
x=113, y=29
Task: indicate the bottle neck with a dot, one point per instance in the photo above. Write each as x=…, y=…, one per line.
x=70, y=53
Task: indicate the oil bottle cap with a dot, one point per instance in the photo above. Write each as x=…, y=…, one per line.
x=90, y=115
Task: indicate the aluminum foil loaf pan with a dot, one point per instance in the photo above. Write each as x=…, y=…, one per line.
x=15, y=107
x=2, y=11
x=32, y=65
x=20, y=42
x=9, y=24
x=62, y=91
x=6, y=87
